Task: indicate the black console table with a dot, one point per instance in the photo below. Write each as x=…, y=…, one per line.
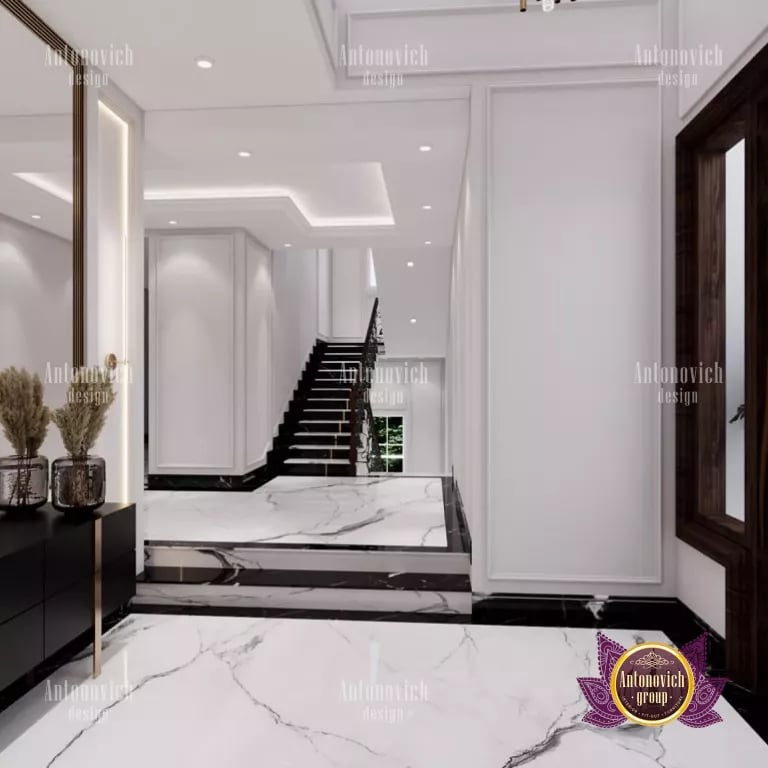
x=59, y=575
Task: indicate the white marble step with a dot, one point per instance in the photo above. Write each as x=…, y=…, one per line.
x=319, y=447
x=316, y=461
x=322, y=434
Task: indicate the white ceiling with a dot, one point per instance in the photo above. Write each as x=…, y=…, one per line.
x=266, y=51
x=356, y=162
x=328, y=166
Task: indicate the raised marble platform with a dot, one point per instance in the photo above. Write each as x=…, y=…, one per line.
x=239, y=692
x=376, y=543
x=347, y=511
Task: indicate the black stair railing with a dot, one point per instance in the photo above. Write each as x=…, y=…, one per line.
x=361, y=413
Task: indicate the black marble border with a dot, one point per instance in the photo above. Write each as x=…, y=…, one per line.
x=457, y=531
x=235, y=483
x=302, y=613
x=244, y=577
x=668, y=615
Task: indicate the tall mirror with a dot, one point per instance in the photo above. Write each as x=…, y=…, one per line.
x=39, y=208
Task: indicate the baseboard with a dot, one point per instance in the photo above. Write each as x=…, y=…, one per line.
x=668, y=615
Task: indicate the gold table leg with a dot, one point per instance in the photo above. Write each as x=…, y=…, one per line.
x=97, y=588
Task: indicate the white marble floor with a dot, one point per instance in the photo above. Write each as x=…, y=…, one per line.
x=370, y=511
x=240, y=692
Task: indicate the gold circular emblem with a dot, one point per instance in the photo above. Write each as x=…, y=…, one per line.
x=652, y=684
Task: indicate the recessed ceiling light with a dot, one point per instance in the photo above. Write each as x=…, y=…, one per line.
x=243, y=153
x=287, y=245
x=427, y=242
x=425, y=148
x=173, y=222
x=413, y=320
x=426, y=207
x=204, y=62
x=36, y=216
x=409, y=264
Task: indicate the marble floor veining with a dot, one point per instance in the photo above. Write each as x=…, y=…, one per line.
x=198, y=691
x=362, y=511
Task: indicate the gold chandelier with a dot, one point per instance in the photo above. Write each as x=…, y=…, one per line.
x=548, y=4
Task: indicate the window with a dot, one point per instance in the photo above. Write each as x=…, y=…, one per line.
x=389, y=432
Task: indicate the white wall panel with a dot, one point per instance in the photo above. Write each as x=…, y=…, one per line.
x=294, y=325
x=192, y=363
x=351, y=305
x=324, y=297
x=574, y=304
x=258, y=353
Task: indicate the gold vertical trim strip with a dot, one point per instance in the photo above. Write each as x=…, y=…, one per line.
x=97, y=595
x=78, y=221
x=34, y=23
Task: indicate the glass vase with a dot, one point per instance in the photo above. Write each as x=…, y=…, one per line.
x=23, y=482
x=78, y=485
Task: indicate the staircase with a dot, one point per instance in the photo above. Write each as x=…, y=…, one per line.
x=315, y=437
x=329, y=418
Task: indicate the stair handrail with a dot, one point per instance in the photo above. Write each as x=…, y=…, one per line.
x=359, y=401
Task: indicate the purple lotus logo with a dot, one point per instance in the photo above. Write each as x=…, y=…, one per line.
x=652, y=684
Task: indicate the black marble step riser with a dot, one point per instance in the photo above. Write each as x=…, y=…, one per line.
x=330, y=441
x=422, y=582
x=320, y=470
x=324, y=415
x=319, y=453
x=310, y=426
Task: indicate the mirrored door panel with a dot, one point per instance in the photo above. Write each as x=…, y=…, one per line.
x=36, y=207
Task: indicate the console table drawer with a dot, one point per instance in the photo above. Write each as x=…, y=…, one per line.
x=67, y=615
x=68, y=557
x=119, y=535
x=21, y=645
x=21, y=582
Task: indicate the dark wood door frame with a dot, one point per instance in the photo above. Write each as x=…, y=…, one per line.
x=740, y=110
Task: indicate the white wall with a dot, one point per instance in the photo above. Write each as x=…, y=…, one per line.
x=35, y=311
x=231, y=328
x=324, y=296
x=115, y=275
x=352, y=297
x=258, y=353
x=295, y=323
x=574, y=302
x=701, y=585
x=466, y=374
x=414, y=389
x=420, y=292
x=192, y=361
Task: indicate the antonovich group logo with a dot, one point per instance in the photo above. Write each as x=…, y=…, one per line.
x=652, y=684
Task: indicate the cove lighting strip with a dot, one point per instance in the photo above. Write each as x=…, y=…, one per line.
x=262, y=193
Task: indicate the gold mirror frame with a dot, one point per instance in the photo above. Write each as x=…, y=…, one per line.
x=34, y=23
